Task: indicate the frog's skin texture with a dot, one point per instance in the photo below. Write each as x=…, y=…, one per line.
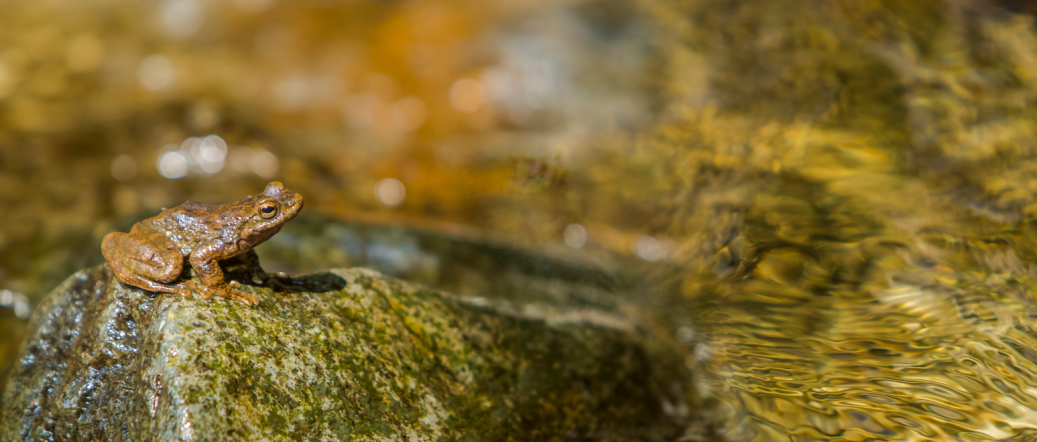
x=153, y=254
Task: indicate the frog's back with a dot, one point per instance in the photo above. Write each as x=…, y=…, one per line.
x=187, y=225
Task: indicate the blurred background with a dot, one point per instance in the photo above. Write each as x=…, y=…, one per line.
x=438, y=113
x=782, y=170
x=449, y=112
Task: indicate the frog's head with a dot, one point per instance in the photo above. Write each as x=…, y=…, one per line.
x=269, y=211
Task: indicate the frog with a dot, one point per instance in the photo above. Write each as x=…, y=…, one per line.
x=154, y=253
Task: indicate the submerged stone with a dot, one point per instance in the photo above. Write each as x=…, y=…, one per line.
x=351, y=355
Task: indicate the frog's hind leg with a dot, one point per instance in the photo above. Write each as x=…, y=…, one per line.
x=140, y=263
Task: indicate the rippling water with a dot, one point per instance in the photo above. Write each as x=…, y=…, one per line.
x=858, y=219
x=951, y=360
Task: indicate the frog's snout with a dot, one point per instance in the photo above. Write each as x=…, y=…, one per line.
x=294, y=202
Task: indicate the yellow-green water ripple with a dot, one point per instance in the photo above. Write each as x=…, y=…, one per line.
x=905, y=363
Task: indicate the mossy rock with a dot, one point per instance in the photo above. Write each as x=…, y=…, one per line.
x=350, y=355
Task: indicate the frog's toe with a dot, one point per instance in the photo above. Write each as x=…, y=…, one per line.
x=233, y=291
x=182, y=290
x=203, y=292
x=247, y=298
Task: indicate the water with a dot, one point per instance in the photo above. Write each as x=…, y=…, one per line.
x=906, y=364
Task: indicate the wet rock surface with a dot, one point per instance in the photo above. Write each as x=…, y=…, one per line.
x=352, y=355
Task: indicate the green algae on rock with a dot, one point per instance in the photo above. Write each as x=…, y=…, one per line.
x=353, y=356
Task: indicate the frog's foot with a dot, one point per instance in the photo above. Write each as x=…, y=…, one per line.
x=234, y=291
x=190, y=289
x=184, y=290
x=229, y=291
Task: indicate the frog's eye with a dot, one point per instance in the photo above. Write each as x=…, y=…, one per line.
x=267, y=210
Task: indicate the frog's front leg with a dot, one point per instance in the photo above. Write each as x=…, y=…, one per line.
x=204, y=261
x=251, y=261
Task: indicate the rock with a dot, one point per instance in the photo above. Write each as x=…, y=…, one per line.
x=461, y=262
x=353, y=355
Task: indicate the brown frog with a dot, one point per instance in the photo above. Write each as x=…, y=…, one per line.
x=152, y=255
